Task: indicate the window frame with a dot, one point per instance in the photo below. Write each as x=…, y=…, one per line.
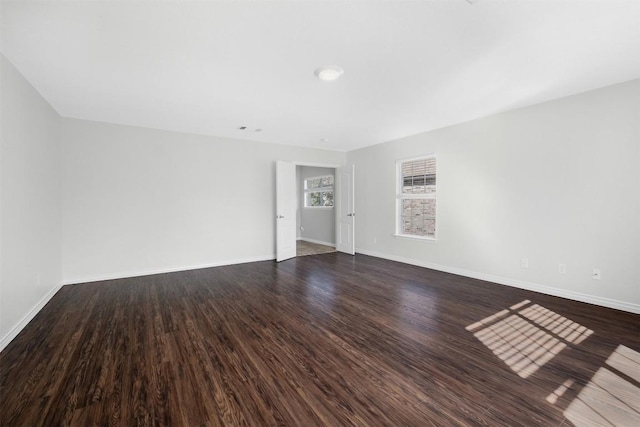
x=325, y=189
x=400, y=196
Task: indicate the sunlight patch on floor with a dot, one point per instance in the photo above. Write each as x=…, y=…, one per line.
x=527, y=336
x=609, y=398
x=560, y=326
x=557, y=393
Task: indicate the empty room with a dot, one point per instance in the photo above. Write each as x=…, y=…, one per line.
x=320, y=213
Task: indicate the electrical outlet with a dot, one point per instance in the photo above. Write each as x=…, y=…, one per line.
x=562, y=268
x=597, y=274
x=524, y=262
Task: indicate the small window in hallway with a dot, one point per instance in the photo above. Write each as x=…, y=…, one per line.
x=318, y=192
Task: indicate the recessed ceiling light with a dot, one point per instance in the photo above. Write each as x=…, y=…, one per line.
x=329, y=73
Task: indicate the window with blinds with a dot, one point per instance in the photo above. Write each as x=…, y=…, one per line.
x=416, y=197
x=318, y=192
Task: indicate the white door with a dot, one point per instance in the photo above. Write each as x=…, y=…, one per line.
x=285, y=210
x=345, y=210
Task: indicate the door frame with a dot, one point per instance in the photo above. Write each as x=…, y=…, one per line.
x=318, y=165
x=285, y=211
x=333, y=166
x=346, y=216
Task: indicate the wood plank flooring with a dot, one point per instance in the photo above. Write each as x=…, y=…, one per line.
x=326, y=340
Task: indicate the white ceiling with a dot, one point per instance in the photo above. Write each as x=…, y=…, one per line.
x=410, y=66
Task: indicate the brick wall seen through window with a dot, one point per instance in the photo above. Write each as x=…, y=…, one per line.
x=416, y=197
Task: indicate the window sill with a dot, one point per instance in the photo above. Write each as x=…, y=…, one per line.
x=321, y=208
x=412, y=237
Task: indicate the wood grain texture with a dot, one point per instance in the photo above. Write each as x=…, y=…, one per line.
x=326, y=340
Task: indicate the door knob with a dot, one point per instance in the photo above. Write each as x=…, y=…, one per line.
x=280, y=216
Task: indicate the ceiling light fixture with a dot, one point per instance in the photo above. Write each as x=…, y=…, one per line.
x=329, y=73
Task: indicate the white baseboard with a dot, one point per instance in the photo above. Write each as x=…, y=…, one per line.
x=124, y=275
x=548, y=290
x=319, y=242
x=9, y=336
x=5, y=340
x=577, y=296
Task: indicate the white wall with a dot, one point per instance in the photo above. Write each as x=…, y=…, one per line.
x=558, y=182
x=137, y=200
x=319, y=223
x=30, y=244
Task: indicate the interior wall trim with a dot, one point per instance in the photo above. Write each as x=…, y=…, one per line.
x=548, y=290
x=128, y=274
x=9, y=336
x=543, y=289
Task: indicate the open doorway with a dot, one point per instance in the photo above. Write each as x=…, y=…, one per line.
x=315, y=210
x=289, y=199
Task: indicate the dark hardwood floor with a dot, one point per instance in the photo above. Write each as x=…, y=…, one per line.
x=320, y=340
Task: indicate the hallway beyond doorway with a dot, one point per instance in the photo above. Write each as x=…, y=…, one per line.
x=307, y=248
